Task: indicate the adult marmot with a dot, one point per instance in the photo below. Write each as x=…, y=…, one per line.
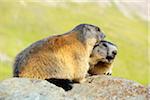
x=102, y=57
x=63, y=56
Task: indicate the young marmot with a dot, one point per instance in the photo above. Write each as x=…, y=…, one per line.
x=63, y=56
x=102, y=57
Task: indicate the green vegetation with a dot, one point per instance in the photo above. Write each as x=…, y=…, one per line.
x=23, y=23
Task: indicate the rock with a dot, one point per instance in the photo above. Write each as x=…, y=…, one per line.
x=29, y=89
x=109, y=88
x=95, y=88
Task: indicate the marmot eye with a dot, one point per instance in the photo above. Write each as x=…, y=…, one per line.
x=104, y=45
x=98, y=29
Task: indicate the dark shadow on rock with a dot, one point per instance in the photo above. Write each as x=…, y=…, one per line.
x=63, y=83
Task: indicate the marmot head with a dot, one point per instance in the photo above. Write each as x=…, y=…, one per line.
x=88, y=31
x=104, y=51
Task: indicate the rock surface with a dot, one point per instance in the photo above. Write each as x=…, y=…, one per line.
x=95, y=88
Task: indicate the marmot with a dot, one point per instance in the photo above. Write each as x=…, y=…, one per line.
x=102, y=57
x=63, y=56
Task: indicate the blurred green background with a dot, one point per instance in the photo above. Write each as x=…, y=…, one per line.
x=22, y=23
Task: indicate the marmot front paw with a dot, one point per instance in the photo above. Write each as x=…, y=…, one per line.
x=109, y=72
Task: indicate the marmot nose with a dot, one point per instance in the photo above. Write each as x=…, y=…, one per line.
x=114, y=52
x=110, y=57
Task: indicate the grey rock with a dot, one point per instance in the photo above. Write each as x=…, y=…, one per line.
x=29, y=89
x=95, y=88
x=109, y=88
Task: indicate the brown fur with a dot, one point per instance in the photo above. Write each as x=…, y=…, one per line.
x=101, y=68
x=63, y=56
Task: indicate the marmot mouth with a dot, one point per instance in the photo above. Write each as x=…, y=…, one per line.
x=104, y=60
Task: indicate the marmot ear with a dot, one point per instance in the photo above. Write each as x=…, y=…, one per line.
x=79, y=27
